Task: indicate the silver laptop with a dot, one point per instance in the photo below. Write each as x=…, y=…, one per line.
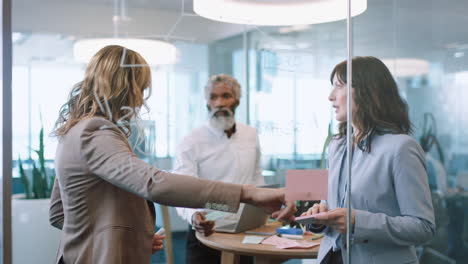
x=247, y=217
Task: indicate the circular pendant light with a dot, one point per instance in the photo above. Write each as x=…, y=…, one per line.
x=277, y=12
x=153, y=51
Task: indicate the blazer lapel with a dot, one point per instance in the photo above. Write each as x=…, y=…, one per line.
x=334, y=174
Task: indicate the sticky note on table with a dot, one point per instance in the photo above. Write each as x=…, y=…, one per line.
x=306, y=185
x=253, y=239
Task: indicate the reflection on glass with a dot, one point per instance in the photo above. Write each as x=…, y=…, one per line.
x=287, y=83
x=435, y=89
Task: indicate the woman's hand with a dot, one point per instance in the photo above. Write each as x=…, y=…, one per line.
x=270, y=200
x=316, y=209
x=157, y=243
x=336, y=219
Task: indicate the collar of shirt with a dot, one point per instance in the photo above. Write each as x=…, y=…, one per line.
x=218, y=133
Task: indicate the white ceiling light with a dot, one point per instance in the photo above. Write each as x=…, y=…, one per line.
x=153, y=51
x=277, y=12
x=407, y=67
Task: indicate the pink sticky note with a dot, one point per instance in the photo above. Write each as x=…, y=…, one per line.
x=306, y=185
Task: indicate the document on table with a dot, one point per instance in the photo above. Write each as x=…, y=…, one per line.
x=285, y=243
x=306, y=185
x=253, y=239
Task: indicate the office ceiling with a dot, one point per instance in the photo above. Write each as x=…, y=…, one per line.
x=430, y=29
x=155, y=4
x=91, y=18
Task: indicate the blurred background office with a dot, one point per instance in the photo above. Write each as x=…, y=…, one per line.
x=284, y=73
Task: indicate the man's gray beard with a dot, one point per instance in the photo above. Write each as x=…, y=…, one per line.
x=222, y=123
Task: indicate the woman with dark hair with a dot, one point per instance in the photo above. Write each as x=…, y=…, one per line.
x=391, y=202
x=103, y=194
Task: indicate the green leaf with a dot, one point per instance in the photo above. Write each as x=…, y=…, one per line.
x=40, y=154
x=38, y=184
x=24, y=179
x=41, y=185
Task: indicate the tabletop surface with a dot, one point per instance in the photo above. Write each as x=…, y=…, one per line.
x=233, y=243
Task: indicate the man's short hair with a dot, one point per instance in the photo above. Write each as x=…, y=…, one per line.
x=226, y=79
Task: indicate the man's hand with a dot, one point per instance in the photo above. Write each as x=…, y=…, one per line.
x=202, y=225
x=336, y=219
x=270, y=200
x=157, y=243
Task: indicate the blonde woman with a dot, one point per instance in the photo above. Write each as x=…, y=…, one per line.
x=103, y=194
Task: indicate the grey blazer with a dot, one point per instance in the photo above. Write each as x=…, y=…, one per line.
x=391, y=198
x=103, y=196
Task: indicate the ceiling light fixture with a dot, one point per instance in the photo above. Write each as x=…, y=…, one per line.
x=277, y=12
x=155, y=52
x=407, y=67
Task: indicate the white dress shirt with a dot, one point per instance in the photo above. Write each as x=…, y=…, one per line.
x=209, y=154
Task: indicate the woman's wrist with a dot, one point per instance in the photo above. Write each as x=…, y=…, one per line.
x=247, y=193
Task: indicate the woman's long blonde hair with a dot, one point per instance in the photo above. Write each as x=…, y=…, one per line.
x=113, y=88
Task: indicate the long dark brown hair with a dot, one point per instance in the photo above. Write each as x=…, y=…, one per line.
x=109, y=89
x=379, y=107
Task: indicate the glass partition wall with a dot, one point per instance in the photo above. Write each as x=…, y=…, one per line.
x=424, y=47
x=46, y=66
x=284, y=72
x=289, y=84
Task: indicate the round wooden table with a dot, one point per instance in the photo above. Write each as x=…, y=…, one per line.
x=231, y=247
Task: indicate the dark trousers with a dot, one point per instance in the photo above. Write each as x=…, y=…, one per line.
x=197, y=253
x=333, y=257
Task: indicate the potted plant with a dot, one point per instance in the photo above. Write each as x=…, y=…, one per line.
x=40, y=187
x=34, y=239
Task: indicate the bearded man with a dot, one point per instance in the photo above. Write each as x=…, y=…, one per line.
x=223, y=150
